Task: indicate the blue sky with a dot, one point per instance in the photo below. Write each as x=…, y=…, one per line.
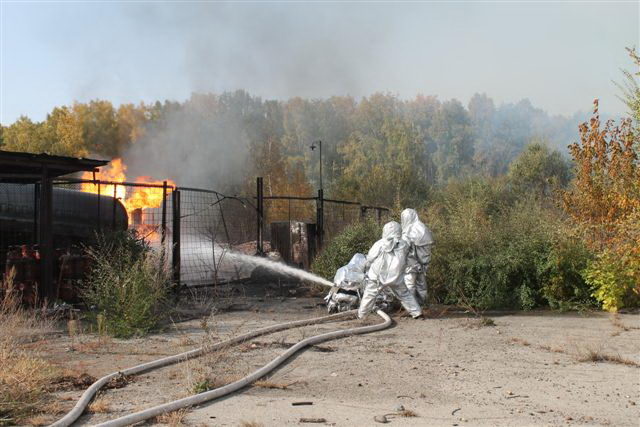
x=559, y=55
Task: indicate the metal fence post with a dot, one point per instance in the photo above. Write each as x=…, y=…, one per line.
x=226, y=233
x=113, y=212
x=45, y=236
x=36, y=212
x=164, y=214
x=320, y=217
x=99, y=209
x=260, y=217
x=175, y=256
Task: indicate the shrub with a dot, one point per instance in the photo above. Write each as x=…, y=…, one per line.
x=565, y=287
x=539, y=170
x=604, y=202
x=357, y=237
x=614, y=280
x=127, y=285
x=492, y=246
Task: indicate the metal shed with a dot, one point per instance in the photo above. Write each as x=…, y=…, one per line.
x=41, y=169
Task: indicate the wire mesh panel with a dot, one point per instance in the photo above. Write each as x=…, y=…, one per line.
x=212, y=225
x=203, y=230
x=290, y=228
x=381, y=215
x=200, y=228
x=18, y=221
x=338, y=215
x=288, y=209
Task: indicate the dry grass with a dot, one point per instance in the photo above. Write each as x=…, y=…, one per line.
x=51, y=411
x=585, y=354
x=172, y=419
x=100, y=405
x=617, y=322
x=216, y=368
x=24, y=376
x=250, y=424
x=478, y=322
x=520, y=341
x=596, y=355
x=551, y=349
x=37, y=420
x=407, y=413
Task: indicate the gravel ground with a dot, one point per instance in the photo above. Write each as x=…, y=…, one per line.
x=526, y=369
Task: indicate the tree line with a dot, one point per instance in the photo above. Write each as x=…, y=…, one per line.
x=379, y=150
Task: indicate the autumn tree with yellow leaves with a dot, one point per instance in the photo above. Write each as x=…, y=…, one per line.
x=604, y=201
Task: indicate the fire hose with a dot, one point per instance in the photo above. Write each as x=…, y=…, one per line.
x=196, y=399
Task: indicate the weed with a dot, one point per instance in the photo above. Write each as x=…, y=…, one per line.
x=274, y=385
x=617, y=322
x=551, y=349
x=173, y=418
x=478, y=322
x=407, y=413
x=100, y=405
x=202, y=386
x=588, y=354
x=596, y=355
x=24, y=377
x=37, y=420
x=521, y=341
x=127, y=285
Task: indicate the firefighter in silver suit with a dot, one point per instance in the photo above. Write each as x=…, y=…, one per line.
x=386, y=263
x=420, y=240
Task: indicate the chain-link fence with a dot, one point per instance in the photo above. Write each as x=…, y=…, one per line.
x=197, y=228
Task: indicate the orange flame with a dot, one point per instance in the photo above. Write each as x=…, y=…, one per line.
x=136, y=198
x=115, y=172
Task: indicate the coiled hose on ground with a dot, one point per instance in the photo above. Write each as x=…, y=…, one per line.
x=86, y=397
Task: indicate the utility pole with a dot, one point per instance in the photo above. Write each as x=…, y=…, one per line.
x=313, y=146
x=319, y=200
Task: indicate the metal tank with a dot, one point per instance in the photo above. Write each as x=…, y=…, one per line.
x=77, y=215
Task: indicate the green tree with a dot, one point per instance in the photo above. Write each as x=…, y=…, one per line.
x=25, y=135
x=451, y=133
x=539, y=170
x=131, y=124
x=99, y=127
x=64, y=132
x=385, y=168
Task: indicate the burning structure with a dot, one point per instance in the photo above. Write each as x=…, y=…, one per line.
x=45, y=219
x=149, y=195
x=30, y=210
x=44, y=215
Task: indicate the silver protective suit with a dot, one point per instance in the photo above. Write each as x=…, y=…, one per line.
x=349, y=282
x=387, y=261
x=420, y=240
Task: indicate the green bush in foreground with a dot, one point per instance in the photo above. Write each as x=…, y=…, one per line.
x=565, y=288
x=613, y=281
x=127, y=285
x=357, y=237
x=499, y=247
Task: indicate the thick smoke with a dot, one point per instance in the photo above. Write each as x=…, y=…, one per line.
x=207, y=141
x=273, y=50
x=203, y=142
